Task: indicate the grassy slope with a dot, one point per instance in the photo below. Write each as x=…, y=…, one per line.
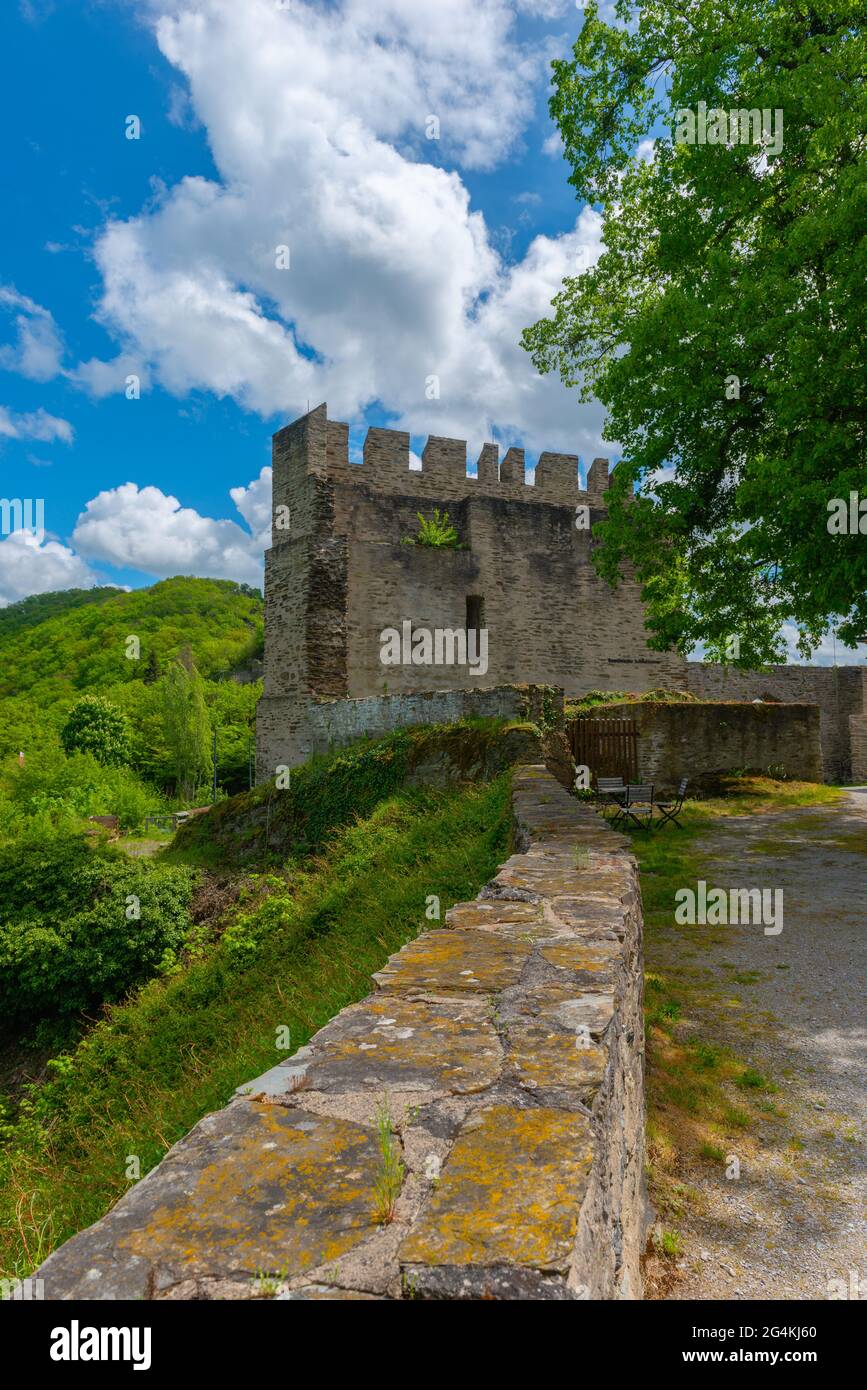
x=156, y=1064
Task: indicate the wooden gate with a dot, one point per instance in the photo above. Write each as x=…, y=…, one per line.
x=609, y=747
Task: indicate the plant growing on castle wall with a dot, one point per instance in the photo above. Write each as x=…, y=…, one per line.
x=436, y=531
x=722, y=324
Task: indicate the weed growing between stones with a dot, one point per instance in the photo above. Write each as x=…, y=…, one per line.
x=392, y=1171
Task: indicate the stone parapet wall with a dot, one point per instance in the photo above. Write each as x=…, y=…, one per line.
x=291, y=730
x=839, y=691
x=701, y=741
x=506, y=1047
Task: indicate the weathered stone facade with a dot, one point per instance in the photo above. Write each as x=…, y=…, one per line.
x=338, y=573
x=508, y=1046
x=701, y=741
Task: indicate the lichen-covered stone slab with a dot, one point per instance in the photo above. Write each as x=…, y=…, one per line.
x=396, y=1044
x=492, y=916
x=443, y=962
x=254, y=1188
x=510, y=1193
x=587, y=1013
x=589, y=965
x=565, y=1066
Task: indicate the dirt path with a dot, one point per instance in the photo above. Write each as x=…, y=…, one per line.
x=141, y=849
x=794, y=1220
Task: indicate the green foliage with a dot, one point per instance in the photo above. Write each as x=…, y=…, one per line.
x=54, y=650
x=614, y=697
x=329, y=790
x=159, y=1062
x=185, y=723
x=52, y=791
x=95, y=726
x=29, y=612
x=79, y=925
x=722, y=326
x=436, y=531
x=389, y=1179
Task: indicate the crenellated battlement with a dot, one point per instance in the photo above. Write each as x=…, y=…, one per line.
x=316, y=446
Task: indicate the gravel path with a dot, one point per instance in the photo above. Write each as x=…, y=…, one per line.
x=794, y=1221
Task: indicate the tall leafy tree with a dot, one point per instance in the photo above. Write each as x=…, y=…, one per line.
x=185, y=723
x=724, y=326
x=94, y=725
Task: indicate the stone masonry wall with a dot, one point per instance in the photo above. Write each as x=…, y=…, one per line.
x=858, y=731
x=507, y=1046
x=338, y=570
x=839, y=691
x=288, y=731
x=702, y=740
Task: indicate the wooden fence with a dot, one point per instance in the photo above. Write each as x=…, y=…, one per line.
x=608, y=747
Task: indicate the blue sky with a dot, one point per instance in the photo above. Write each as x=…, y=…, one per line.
x=268, y=123
x=74, y=72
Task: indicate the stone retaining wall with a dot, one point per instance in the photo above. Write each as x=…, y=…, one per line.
x=839, y=691
x=702, y=741
x=507, y=1047
x=290, y=729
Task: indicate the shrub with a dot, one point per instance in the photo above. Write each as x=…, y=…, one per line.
x=79, y=926
x=436, y=531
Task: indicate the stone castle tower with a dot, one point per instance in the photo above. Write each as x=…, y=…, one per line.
x=339, y=572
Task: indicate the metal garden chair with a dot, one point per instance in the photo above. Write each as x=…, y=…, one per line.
x=670, y=810
x=610, y=790
x=636, y=805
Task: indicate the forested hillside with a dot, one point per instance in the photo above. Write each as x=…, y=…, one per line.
x=124, y=648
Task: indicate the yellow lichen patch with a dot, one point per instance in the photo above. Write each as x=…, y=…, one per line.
x=491, y=915
x=392, y=1043
x=511, y=1192
x=455, y=960
x=277, y=1189
x=545, y=1058
x=593, y=962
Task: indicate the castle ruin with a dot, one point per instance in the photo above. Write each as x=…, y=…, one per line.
x=342, y=569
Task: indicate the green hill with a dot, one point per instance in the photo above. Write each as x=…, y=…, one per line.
x=57, y=647
x=54, y=650
x=30, y=611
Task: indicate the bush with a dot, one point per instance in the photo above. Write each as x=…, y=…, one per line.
x=70, y=938
x=57, y=789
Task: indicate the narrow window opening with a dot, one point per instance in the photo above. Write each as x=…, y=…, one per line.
x=475, y=612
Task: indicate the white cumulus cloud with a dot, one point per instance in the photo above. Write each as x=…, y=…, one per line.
x=317, y=116
x=146, y=529
x=29, y=565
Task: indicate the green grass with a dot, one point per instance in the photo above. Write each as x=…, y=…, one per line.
x=701, y=1095
x=293, y=958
